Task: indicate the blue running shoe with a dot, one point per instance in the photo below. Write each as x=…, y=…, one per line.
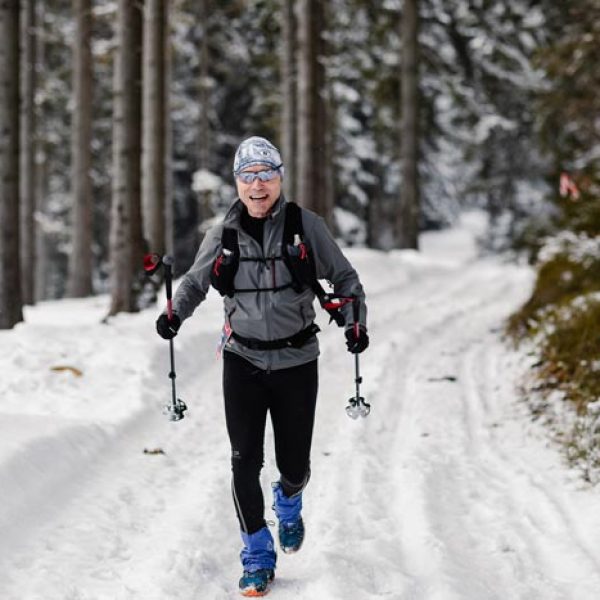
x=291, y=526
x=258, y=561
x=291, y=536
x=256, y=583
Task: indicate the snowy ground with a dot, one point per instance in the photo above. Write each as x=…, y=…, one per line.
x=446, y=491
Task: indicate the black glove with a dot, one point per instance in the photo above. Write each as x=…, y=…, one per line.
x=354, y=344
x=168, y=329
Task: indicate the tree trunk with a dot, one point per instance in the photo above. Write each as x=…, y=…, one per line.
x=80, y=261
x=204, y=138
x=169, y=182
x=408, y=213
x=328, y=169
x=289, y=99
x=126, y=246
x=42, y=261
x=11, y=305
x=28, y=143
x=138, y=246
x=154, y=125
x=204, y=97
x=41, y=165
x=312, y=112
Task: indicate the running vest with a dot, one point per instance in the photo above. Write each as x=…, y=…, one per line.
x=296, y=255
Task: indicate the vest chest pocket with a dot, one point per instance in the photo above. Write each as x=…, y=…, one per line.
x=223, y=272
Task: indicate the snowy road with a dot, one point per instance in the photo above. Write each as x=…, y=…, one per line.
x=446, y=491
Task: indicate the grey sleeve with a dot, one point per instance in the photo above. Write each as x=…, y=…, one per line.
x=195, y=283
x=331, y=264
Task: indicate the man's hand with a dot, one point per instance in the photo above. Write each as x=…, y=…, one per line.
x=356, y=345
x=168, y=329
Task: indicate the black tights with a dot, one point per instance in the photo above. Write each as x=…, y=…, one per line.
x=290, y=396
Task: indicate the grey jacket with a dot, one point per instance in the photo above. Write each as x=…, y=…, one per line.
x=270, y=315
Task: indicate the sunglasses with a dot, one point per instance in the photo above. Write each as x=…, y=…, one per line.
x=250, y=176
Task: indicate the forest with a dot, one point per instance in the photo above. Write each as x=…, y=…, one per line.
x=120, y=120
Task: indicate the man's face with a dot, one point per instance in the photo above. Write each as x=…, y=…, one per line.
x=259, y=196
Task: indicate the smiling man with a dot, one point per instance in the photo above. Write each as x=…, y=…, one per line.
x=265, y=259
x=258, y=170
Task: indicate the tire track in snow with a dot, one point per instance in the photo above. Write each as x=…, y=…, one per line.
x=424, y=549
x=365, y=491
x=461, y=502
x=429, y=515
x=465, y=477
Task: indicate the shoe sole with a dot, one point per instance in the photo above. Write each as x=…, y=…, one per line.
x=253, y=593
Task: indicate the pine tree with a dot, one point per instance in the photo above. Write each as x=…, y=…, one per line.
x=11, y=311
x=288, y=95
x=42, y=258
x=28, y=149
x=205, y=138
x=125, y=234
x=312, y=122
x=155, y=124
x=80, y=259
x=407, y=218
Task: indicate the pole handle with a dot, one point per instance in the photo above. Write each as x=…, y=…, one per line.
x=356, y=316
x=168, y=265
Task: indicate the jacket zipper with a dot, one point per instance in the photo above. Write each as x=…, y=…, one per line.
x=263, y=301
x=267, y=312
x=273, y=277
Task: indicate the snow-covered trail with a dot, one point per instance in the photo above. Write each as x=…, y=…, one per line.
x=449, y=502
x=446, y=491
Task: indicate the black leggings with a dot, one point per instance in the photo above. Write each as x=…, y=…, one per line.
x=290, y=396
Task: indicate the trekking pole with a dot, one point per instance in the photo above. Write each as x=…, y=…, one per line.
x=152, y=262
x=357, y=407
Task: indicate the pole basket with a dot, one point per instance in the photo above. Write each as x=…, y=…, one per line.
x=357, y=407
x=175, y=410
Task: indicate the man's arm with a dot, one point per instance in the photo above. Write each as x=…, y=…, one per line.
x=331, y=264
x=195, y=283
